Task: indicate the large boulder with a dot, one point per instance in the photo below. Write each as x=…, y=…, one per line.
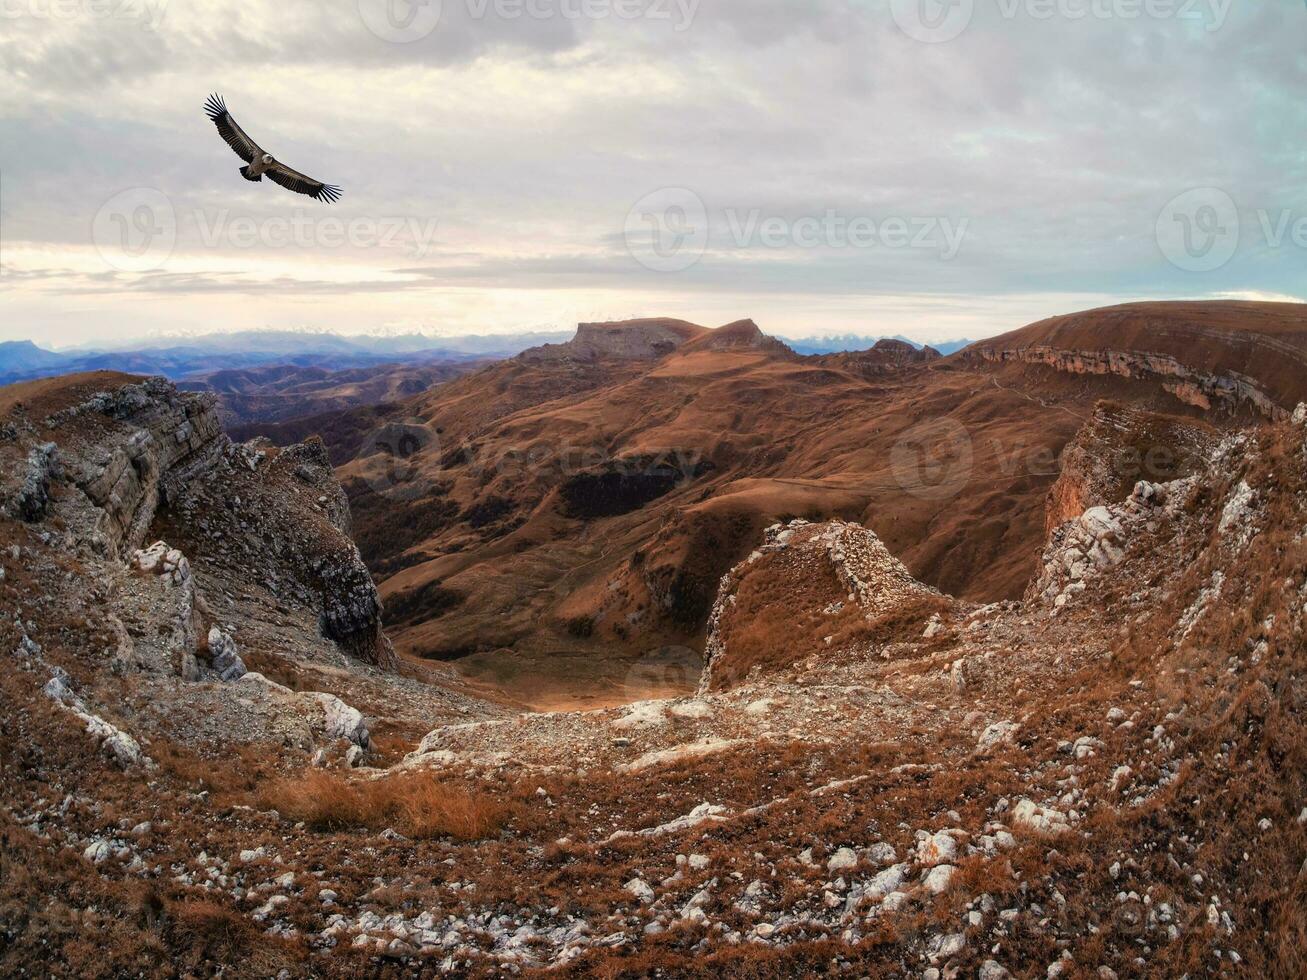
x=351, y=608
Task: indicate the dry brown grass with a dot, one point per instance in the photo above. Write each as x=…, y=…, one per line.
x=417, y=805
x=902, y=624
x=230, y=779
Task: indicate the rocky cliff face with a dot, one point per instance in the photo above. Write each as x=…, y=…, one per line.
x=138, y=462
x=125, y=445
x=1202, y=390
x=638, y=340
x=1119, y=447
x=887, y=356
x=901, y=352
x=628, y=340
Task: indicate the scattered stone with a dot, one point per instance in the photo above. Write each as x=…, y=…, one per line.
x=342, y=721
x=1042, y=820
x=939, y=878
x=842, y=860
x=999, y=733
x=938, y=848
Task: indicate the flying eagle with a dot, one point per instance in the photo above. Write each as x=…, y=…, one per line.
x=260, y=163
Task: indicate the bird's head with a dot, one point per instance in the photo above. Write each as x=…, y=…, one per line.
x=267, y=158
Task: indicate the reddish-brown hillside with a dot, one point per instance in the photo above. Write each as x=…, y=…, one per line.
x=567, y=511
x=283, y=392
x=1266, y=342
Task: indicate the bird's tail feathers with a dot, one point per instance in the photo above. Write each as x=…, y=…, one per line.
x=245, y=172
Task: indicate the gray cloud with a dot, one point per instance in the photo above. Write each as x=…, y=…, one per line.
x=527, y=141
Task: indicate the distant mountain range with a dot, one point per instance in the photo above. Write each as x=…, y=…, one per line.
x=844, y=343
x=182, y=357
x=179, y=358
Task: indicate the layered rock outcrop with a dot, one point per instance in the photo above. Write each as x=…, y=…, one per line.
x=1080, y=550
x=652, y=339
x=1118, y=448
x=1197, y=388
x=631, y=340
x=886, y=356
x=32, y=498
x=351, y=608
x=148, y=462
x=127, y=442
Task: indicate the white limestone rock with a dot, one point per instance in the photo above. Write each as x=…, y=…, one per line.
x=641, y=890
x=999, y=733
x=112, y=741
x=342, y=721
x=842, y=860
x=159, y=559
x=938, y=848
x=1041, y=820
x=226, y=661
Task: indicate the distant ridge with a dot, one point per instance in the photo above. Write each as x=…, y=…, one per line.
x=24, y=356
x=649, y=339
x=180, y=358
x=852, y=343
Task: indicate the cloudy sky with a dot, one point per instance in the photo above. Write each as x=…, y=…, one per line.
x=939, y=168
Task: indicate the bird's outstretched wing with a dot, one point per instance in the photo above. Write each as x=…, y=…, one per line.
x=236, y=137
x=293, y=180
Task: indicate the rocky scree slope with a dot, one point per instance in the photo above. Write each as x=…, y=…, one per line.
x=1119, y=447
x=1101, y=779
x=1094, y=780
